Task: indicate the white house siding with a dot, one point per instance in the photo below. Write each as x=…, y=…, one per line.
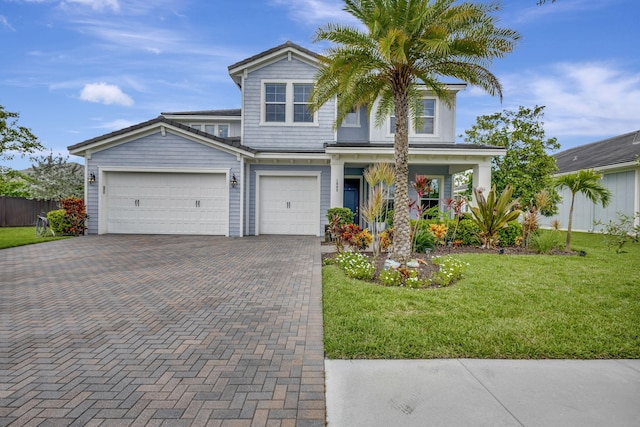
x=444, y=128
x=285, y=137
x=158, y=152
x=585, y=212
x=325, y=182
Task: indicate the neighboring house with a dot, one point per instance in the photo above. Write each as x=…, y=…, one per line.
x=270, y=167
x=617, y=160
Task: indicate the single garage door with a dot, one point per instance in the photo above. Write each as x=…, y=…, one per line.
x=167, y=203
x=289, y=205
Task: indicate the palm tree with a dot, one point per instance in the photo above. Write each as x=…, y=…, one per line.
x=406, y=46
x=588, y=183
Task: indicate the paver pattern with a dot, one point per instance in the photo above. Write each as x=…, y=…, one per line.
x=162, y=331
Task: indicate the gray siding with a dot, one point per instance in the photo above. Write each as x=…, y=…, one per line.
x=623, y=189
x=156, y=151
x=355, y=134
x=289, y=137
x=325, y=183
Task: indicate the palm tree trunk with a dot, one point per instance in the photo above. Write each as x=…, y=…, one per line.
x=401, y=220
x=567, y=245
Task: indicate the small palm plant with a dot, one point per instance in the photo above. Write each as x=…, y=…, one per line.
x=588, y=183
x=493, y=213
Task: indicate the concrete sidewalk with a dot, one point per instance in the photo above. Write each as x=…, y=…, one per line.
x=471, y=392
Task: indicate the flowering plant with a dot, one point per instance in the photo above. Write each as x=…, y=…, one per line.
x=451, y=269
x=439, y=231
x=356, y=265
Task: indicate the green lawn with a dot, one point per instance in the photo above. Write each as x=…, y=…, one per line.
x=514, y=306
x=18, y=236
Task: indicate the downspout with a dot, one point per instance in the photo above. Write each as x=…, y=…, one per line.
x=242, y=177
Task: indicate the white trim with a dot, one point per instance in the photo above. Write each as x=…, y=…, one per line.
x=289, y=104
x=103, y=172
x=293, y=174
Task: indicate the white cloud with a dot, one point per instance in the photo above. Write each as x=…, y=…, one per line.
x=105, y=94
x=4, y=23
x=97, y=5
x=581, y=98
x=317, y=12
x=117, y=124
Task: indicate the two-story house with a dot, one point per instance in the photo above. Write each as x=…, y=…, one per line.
x=271, y=167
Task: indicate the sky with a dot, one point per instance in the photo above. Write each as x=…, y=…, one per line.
x=77, y=69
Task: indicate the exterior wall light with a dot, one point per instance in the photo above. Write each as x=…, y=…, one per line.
x=91, y=179
x=234, y=181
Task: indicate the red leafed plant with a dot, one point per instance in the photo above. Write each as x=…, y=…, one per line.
x=75, y=215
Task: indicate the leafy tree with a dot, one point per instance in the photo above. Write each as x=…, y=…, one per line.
x=588, y=183
x=13, y=183
x=53, y=178
x=404, y=44
x=14, y=138
x=527, y=164
x=493, y=213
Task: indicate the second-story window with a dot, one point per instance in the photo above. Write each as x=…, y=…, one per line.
x=301, y=93
x=428, y=119
x=287, y=103
x=275, y=97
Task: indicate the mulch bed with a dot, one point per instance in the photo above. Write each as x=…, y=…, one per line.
x=425, y=270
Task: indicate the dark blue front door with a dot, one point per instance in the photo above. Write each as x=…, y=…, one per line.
x=352, y=197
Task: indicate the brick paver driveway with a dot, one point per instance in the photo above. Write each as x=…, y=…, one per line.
x=162, y=330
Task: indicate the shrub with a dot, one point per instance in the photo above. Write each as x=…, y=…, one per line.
x=545, y=241
x=75, y=215
x=356, y=265
x=356, y=237
x=467, y=232
x=509, y=234
x=58, y=221
x=423, y=240
x=345, y=216
x=390, y=277
x=619, y=232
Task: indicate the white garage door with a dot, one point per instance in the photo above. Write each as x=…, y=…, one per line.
x=289, y=205
x=167, y=203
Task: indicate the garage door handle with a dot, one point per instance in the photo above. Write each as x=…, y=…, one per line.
x=137, y=202
x=197, y=203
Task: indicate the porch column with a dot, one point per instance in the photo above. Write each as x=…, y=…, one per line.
x=482, y=176
x=337, y=183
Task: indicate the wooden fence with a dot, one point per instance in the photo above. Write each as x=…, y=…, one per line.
x=19, y=212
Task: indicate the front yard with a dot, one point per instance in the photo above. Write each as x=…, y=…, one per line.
x=506, y=306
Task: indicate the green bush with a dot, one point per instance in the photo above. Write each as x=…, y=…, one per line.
x=345, y=215
x=356, y=265
x=467, y=231
x=424, y=240
x=509, y=233
x=58, y=221
x=545, y=241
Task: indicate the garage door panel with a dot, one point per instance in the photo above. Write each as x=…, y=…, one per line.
x=167, y=203
x=289, y=205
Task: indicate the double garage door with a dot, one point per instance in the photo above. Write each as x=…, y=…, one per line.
x=167, y=203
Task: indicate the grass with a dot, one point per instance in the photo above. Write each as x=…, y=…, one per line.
x=19, y=236
x=515, y=306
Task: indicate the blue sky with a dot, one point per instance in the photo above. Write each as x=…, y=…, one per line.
x=76, y=69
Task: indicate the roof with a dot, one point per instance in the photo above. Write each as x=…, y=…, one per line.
x=608, y=152
x=288, y=45
x=231, y=142
x=236, y=112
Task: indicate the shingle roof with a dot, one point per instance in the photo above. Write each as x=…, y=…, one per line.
x=231, y=142
x=608, y=152
x=288, y=44
x=229, y=112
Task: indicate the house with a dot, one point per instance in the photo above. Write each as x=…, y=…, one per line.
x=617, y=160
x=270, y=167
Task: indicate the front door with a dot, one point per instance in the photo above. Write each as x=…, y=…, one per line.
x=352, y=197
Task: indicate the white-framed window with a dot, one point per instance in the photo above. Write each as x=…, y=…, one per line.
x=433, y=196
x=428, y=119
x=352, y=119
x=221, y=130
x=287, y=103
